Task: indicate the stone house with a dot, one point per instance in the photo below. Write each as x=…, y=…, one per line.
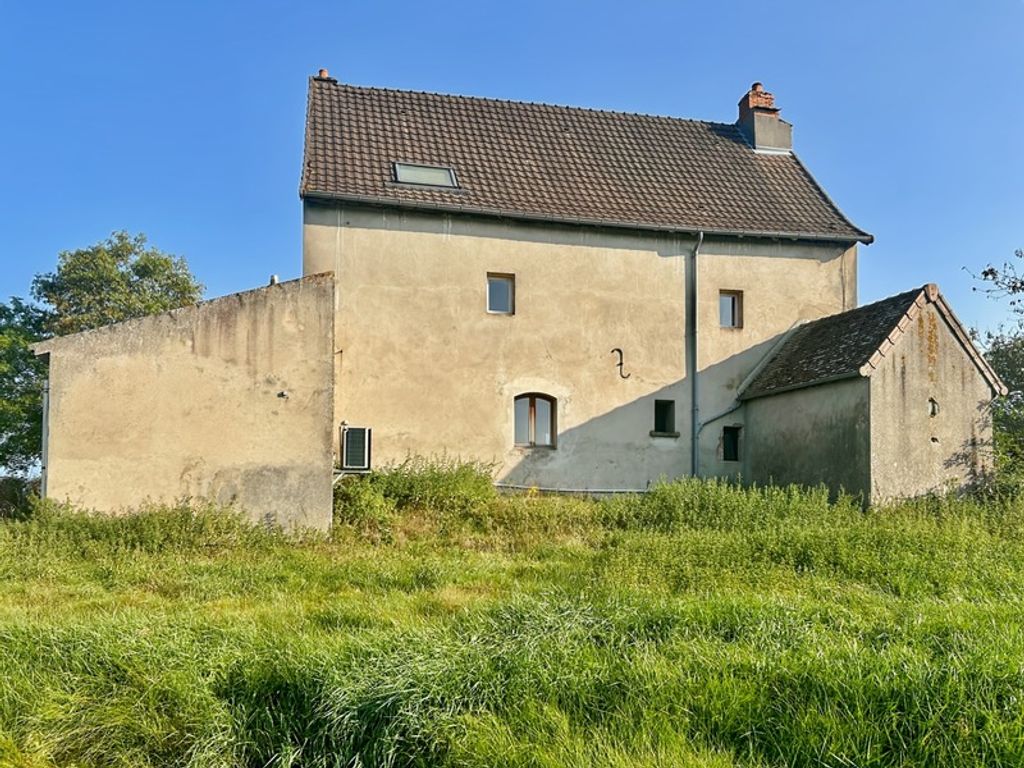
x=590, y=300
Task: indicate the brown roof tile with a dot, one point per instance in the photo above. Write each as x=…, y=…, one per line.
x=562, y=163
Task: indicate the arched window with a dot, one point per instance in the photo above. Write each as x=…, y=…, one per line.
x=535, y=420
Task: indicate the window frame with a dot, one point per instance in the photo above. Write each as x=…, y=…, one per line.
x=531, y=420
x=737, y=429
x=671, y=432
x=737, y=308
x=510, y=277
x=398, y=164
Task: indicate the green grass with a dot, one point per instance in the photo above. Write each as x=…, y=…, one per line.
x=700, y=625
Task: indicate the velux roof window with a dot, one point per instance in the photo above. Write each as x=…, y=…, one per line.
x=429, y=175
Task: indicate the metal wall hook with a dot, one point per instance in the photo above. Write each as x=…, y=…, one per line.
x=618, y=352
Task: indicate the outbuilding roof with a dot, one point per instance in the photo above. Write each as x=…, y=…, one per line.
x=555, y=163
x=854, y=343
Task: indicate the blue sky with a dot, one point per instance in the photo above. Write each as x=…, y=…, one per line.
x=184, y=120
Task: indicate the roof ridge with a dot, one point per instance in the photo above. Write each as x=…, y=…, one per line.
x=915, y=291
x=493, y=100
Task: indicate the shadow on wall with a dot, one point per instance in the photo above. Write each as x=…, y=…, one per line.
x=974, y=460
x=616, y=451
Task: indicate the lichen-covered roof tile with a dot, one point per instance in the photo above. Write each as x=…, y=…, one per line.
x=832, y=347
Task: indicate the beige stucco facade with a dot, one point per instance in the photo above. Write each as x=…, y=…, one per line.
x=230, y=400
x=645, y=342
x=819, y=435
x=919, y=447
x=426, y=366
x=783, y=283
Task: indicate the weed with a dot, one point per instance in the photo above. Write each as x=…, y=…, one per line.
x=702, y=624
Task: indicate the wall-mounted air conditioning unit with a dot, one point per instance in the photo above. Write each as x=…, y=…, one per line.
x=355, y=448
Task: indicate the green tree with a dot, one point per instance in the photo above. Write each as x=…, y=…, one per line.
x=1004, y=349
x=21, y=377
x=116, y=279
x=1005, y=282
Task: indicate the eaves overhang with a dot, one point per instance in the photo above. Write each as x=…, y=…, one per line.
x=743, y=396
x=386, y=202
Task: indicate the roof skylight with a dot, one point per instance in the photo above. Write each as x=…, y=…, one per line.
x=428, y=175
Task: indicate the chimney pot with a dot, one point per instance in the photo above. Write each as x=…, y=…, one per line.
x=323, y=73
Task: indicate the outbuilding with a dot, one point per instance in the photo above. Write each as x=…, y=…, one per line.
x=888, y=400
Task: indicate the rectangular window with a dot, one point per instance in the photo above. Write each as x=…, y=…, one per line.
x=664, y=417
x=543, y=422
x=523, y=420
x=731, y=443
x=501, y=294
x=430, y=175
x=730, y=309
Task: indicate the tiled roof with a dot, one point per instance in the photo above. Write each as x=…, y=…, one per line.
x=853, y=343
x=547, y=162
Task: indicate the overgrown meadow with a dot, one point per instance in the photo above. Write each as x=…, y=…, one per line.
x=441, y=624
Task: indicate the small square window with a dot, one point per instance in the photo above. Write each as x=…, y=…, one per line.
x=429, y=175
x=501, y=294
x=664, y=417
x=731, y=443
x=730, y=309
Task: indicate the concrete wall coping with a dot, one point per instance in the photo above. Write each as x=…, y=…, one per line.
x=46, y=346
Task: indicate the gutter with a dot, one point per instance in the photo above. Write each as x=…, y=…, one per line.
x=863, y=237
x=803, y=385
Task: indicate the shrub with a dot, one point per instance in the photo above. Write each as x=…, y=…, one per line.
x=440, y=484
x=521, y=521
x=14, y=497
x=362, y=506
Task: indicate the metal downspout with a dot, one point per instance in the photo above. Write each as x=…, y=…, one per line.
x=691, y=356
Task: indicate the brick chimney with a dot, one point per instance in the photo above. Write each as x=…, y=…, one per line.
x=760, y=122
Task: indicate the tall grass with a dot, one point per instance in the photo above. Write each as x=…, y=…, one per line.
x=442, y=484
x=698, y=625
